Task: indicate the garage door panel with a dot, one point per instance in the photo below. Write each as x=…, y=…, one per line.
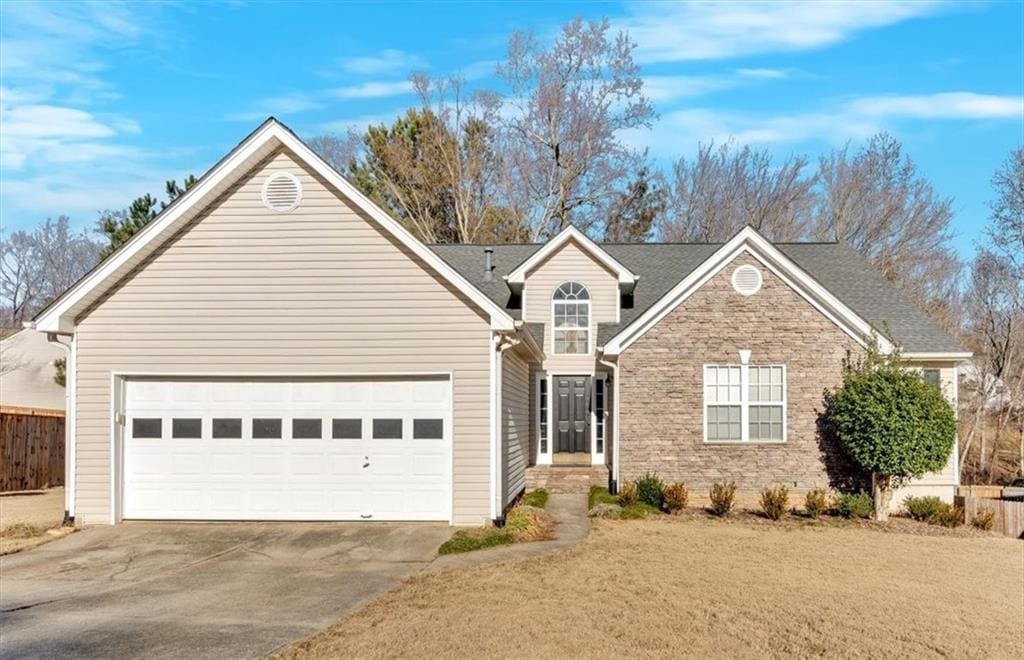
x=344, y=474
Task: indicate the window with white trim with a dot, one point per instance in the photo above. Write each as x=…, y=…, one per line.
x=744, y=403
x=571, y=319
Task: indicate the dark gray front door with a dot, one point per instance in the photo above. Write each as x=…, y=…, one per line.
x=573, y=414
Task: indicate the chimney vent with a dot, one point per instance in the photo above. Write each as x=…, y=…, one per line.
x=488, y=268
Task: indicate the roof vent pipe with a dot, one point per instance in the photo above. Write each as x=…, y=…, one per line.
x=488, y=268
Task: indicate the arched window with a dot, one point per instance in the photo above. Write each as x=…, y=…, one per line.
x=571, y=318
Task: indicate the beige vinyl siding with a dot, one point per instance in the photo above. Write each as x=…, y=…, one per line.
x=570, y=263
x=319, y=290
x=943, y=482
x=515, y=404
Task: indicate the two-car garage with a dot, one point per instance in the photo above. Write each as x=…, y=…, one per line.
x=286, y=449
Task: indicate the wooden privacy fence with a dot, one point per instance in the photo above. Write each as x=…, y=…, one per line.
x=1009, y=516
x=31, y=448
x=992, y=492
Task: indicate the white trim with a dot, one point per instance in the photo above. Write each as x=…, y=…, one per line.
x=59, y=317
x=597, y=458
x=542, y=457
x=750, y=242
x=744, y=403
x=591, y=325
x=614, y=366
x=625, y=277
x=71, y=427
x=119, y=379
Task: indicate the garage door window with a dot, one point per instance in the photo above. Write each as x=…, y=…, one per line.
x=188, y=428
x=387, y=429
x=227, y=427
x=266, y=429
x=147, y=427
x=307, y=429
x=428, y=429
x=346, y=429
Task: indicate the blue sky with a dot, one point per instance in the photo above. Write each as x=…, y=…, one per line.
x=100, y=103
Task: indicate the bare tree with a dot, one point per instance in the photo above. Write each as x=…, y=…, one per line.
x=567, y=104
x=876, y=201
x=338, y=150
x=37, y=266
x=1007, y=227
x=634, y=211
x=723, y=189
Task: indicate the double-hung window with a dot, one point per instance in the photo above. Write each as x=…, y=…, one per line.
x=571, y=318
x=744, y=403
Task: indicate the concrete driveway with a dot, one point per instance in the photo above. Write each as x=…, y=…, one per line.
x=199, y=590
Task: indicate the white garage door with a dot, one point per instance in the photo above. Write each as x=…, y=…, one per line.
x=287, y=450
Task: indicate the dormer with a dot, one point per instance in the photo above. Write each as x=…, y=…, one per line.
x=626, y=279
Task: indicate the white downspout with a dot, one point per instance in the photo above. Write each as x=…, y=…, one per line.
x=614, y=366
x=69, y=422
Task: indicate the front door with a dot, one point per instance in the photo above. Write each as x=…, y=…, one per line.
x=573, y=414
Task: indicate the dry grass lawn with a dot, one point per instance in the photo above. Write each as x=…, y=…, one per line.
x=704, y=588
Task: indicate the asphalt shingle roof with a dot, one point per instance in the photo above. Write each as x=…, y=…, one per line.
x=660, y=266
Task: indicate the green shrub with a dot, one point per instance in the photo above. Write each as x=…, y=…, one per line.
x=949, y=516
x=924, y=508
x=638, y=510
x=536, y=498
x=650, y=490
x=985, y=519
x=774, y=502
x=855, y=505
x=816, y=502
x=676, y=497
x=467, y=541
x=722, y=498
x=628, y=495
x=600, y=495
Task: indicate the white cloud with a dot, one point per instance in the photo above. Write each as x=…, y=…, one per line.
x=679, y=131
x=373, y=90
x=704, y=30
x=360, y=122
x=949, y=105
x=47, y=134
x=388, y=60
x=762, y=74
x=661, y=89
x=278, y=106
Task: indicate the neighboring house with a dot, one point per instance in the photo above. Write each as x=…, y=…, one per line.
x=274, y=346
x=27, y=372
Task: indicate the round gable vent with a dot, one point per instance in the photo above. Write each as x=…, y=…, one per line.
x=282, y=192
x=746, y=280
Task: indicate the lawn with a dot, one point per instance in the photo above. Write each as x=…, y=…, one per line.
x=31, y=519
x=707, y=588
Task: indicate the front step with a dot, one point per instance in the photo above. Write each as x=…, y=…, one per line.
x=566, y=478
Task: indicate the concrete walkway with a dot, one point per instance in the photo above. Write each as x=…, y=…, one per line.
x=569, y=511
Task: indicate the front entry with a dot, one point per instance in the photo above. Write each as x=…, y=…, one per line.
x=573, y=415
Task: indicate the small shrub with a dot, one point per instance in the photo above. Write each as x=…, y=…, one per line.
x=774, y=502
x=676, y=497
x=816, y=502
x=628, y=495
x=949, y=516
x=924, y=508
x=855, y=505
x=536, y=498
x=605, y=510
x=467, y=541
x=985, y=519
x=650, y=490
x=638, y=510
x=722, y=498
x=600, y=495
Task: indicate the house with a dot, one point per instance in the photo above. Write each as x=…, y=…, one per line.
x=273, y=346
x=27, y=372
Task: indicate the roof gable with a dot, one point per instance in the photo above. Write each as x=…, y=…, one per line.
x=59, y=315
x=626, y=278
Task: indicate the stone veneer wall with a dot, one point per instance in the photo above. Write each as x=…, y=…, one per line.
x=661, y=381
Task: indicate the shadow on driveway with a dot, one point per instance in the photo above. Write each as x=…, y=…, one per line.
x=200, y=590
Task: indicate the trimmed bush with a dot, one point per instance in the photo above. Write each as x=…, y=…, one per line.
x=774, y=502
x=650, y=490
x=676, y=497
x=628, y=495
x=855, y=505
x=816, y=502
x=536, y=498
x=722, y=498
x=985, y=519
x=950, y=516
x=924, y=508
